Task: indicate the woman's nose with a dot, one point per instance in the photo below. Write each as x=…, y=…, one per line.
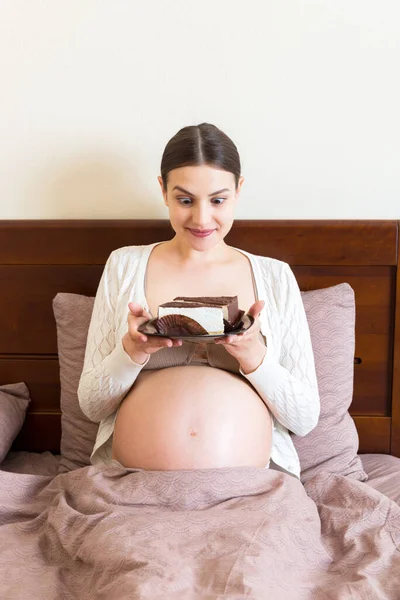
x=201, y=215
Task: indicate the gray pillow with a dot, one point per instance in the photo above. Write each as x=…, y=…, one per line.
x=72, y=314
x=333, y=444
x=14, y=401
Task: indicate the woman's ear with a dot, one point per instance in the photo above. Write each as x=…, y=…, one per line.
x=164, y=193
x=240, y=182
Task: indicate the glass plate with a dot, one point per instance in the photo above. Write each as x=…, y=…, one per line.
x=149, y=330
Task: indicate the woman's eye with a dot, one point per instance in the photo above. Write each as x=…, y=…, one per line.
x=188, y=201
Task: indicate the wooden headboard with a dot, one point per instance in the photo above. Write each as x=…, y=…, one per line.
x=39, y=258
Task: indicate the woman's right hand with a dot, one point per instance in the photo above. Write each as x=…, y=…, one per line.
x=138, y=345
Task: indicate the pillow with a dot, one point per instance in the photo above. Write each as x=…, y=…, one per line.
x=14, y=401
x=72, y=313
x=333, y=444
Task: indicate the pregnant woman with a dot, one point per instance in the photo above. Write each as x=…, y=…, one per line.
x=174, y=404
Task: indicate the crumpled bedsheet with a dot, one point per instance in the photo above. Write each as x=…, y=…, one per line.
x=243, y=532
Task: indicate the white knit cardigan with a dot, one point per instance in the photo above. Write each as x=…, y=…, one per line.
x=286, y=379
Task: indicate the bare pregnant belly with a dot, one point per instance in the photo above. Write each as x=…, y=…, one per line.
x=192, y=417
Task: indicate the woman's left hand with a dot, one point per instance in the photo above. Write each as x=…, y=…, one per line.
x=247, y=347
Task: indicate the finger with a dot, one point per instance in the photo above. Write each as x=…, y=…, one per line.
x=134, y=331
x=227, y=339
x=137, y=320
x=136, y=336
x=138, y=311
x=176, y=342
x=161, y=342
x=255, y=310
x=156, y=344
x=135, y=308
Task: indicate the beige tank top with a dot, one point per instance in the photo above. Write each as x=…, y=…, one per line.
x=208, y=354
x=194, y=354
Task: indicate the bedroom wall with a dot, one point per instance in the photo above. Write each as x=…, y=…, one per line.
x=92, y=91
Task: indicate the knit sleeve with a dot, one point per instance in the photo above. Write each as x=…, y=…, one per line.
x=288, y=386
x=108, y=371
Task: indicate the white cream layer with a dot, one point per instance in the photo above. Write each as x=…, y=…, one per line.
x=211, y=318
x=224, y=308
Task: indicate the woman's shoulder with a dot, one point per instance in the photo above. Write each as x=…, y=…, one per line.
x=277, y=276
x=272, y=263
x=127, y=254
x=127, y=251
x=271, y=267
x=123, y=259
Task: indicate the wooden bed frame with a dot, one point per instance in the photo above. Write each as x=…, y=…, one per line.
x=39, y=258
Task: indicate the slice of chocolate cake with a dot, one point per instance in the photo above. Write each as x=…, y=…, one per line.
x=229, y=304
x=215, y=314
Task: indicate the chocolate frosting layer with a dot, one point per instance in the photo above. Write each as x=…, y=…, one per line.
x=220, y=300
x=228, y=302
x=174, y=304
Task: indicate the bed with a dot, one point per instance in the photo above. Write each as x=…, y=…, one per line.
x=84, y=532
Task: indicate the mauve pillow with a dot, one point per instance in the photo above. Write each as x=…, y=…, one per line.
x=333, y=444
x=72, y=313
x=14, y=401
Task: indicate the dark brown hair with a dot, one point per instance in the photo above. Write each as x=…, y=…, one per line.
x=202, y=144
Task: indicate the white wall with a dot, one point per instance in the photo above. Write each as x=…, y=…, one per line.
x=92, y=90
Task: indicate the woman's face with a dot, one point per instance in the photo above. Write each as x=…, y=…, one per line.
x=201, y=202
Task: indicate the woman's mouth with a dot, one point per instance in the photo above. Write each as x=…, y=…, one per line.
x=201, y=233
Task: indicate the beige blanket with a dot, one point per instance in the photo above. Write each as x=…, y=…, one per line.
x=205, y=534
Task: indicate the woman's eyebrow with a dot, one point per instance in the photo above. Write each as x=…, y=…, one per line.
x=181, y=189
